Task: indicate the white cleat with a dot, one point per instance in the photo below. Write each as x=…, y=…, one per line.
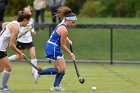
x=6, y=88
x=56, y=88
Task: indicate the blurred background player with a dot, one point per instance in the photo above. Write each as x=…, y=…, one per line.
x=39, y=7
x=26, y=42
x=54, y=5
x=56, y=42
x=3, y=4
x=8, y=36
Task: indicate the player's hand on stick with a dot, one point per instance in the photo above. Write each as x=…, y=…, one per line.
x=72, y=56
x=21, y=55
x=33, y=33
x=23, y=33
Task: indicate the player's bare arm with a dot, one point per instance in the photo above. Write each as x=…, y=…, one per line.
x=14, y=32
x=63, y=32
x=69, y=41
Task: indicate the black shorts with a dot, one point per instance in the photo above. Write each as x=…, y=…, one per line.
x=3, y=54
x=23, y=46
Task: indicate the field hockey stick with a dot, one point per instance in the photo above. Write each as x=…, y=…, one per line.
x=37, y=68
x=27, y=30
x=81, y=80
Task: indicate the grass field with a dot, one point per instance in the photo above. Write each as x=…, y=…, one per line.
x=107, y=78
x=89, y=44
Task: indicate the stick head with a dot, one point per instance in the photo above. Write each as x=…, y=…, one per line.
x=81, y=80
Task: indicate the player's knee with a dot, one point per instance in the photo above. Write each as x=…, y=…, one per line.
x=18, y=57
x=33, y=56
x=61, y=69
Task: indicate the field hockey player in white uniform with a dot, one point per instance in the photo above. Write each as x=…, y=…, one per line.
x=26, y=42
x=8, y=36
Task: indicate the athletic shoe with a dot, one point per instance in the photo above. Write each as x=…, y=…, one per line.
x=6, y=88
x=56, y=88
x=36, y=77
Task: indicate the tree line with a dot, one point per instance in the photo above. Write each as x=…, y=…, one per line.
x=89, y=8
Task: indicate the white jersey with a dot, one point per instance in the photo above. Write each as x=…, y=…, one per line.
x=5, y=35
x=27, y=38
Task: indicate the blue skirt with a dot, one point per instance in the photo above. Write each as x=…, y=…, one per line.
x=53, y=52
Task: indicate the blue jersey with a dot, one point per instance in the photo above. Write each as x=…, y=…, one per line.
x=55, y=38
x=53, y=45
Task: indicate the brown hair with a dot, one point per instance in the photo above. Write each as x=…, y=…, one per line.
x=23, y=15
x=64, y=12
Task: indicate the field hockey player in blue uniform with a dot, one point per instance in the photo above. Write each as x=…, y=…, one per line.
x=56, y=42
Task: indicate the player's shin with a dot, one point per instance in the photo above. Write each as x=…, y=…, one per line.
x=34, y=62
x=58, y=78
x=48, y=71
x=12, y=58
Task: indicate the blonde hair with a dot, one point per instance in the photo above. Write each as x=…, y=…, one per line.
x=63, y=12
x=29, y=7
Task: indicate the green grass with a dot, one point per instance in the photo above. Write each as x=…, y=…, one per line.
x=108, y=20
x=83, y=20
x=94, y=44
x=107, y=79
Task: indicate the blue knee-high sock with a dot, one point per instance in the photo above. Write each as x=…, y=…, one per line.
x=48, y=71
x=58, y=78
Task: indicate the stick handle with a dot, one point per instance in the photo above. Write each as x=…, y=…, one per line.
x=71, y=48
x=27, y=30
x=76, y=68
x=75, y=65
x=31, y=63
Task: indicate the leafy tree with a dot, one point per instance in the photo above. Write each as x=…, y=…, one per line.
x=92, y=8
x=17, y=5
x=111, y=8
x=75, y=5
x=96, y=8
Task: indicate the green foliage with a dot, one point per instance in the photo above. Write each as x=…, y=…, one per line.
x=75, y=5
x=29, y=2
x=92, y=9
x=127, y=7
x=111, y=8
x=122, y=8
x=17, y=5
